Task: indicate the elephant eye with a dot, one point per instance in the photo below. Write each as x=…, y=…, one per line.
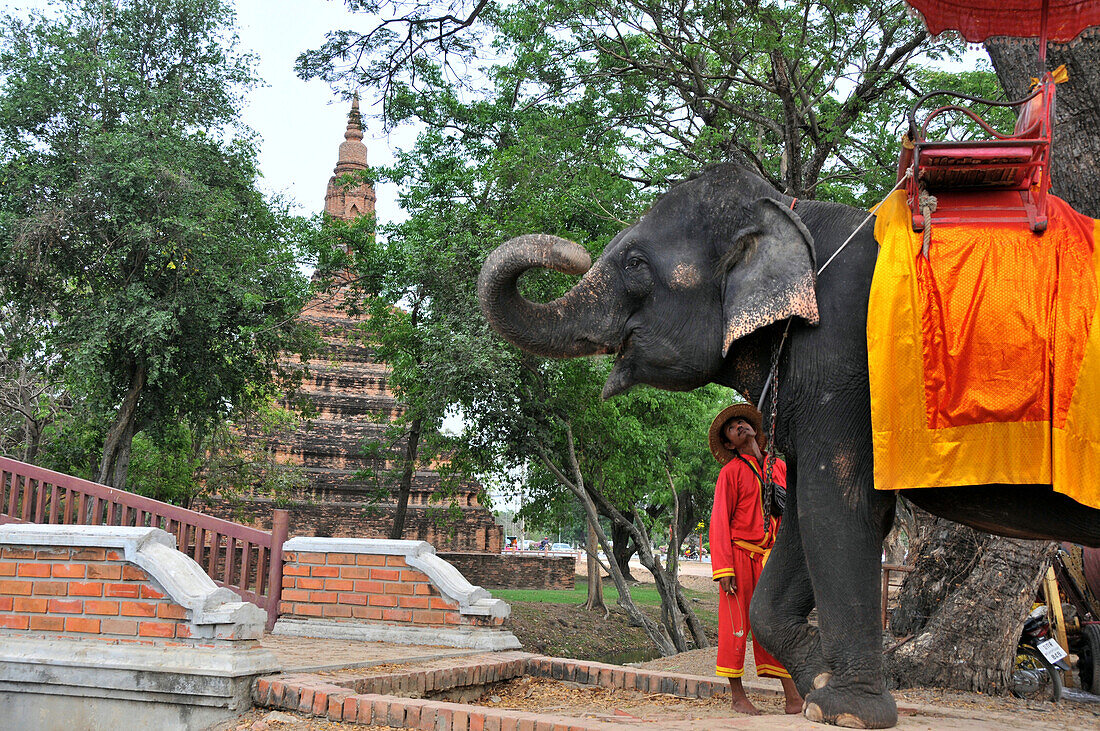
x=635, y=261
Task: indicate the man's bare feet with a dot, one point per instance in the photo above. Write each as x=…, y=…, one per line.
x=739, y=701
x=744, y=705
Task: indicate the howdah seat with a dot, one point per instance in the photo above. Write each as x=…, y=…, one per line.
x=950, y=170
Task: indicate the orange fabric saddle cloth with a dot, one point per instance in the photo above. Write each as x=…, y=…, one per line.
x=984, y=357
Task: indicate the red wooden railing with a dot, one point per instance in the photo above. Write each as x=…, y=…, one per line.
x=247, y=560
x=887, y=569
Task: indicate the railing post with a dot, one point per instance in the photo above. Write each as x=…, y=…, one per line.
x=280, y=523
x=885, y=595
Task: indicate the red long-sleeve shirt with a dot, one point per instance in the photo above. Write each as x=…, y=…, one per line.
x=738, y=513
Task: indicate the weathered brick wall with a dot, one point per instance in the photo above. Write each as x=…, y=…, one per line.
x=109, y=584
x=85, y=592
x=388, y=591
x=367, y=587
x=102, y=625
x=514, y=571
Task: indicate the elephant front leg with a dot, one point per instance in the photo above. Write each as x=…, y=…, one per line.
x=842, y=538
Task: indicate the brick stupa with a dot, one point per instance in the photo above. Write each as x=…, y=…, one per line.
x=349, y=391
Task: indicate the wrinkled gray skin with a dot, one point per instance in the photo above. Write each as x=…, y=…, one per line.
x=722, y=260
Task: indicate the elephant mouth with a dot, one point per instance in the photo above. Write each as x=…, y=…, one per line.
x=621, y=350
x=621, y=378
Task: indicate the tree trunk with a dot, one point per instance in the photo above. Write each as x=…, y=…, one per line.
x=1076, y=147
x=672, y=558
x=32, y=437
x=656, y=632
x=398, y=527
x=595, y=581
x=622, y=548
x=25, y=395
x=653, y=630
x=116, y=447
x=943, y=554
x=969, y=643
x=901, y=536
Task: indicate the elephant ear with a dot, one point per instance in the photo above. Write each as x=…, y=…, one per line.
x=770, y=272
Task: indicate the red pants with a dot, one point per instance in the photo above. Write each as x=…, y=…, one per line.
x=733, y=622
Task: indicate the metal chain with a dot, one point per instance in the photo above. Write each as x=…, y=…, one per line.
x=768, y=488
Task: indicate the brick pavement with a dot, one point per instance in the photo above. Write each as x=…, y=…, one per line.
x=386, y=685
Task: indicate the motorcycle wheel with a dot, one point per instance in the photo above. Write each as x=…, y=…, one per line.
x=1034, y=678
x=1087, y=657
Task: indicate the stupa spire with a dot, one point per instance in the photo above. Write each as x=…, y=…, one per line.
x=355, y=122
x=348, y=202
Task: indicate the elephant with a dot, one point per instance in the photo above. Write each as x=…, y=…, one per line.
x=700, y=289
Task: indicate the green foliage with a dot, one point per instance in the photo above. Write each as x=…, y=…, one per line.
x=164, y=468
x=73, y=442
x=235, y=474
x=130, y=218
x=786, y=87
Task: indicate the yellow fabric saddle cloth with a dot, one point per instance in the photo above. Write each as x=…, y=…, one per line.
x=984, y=357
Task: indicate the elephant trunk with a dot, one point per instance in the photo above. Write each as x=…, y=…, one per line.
x=575, y=324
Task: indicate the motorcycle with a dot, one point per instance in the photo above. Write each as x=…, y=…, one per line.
x=1040, y=660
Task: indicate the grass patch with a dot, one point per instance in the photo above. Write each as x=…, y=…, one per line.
x=644, y=594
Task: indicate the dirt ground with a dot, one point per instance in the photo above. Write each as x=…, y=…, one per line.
x=565, y=630
x=605, y=704
x=931, y=709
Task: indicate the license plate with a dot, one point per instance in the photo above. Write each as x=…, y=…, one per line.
x=1052, y=651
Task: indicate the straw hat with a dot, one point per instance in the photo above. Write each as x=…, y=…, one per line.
x=746, y=411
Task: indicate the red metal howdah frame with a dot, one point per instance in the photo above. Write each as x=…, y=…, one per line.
x=954, y=171
x=1019, y=162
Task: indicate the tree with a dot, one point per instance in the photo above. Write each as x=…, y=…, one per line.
x=962, y=608
x=610, y=455
x=1076, y=113
x=130, y=218
x=30, y=393
x=794, y=89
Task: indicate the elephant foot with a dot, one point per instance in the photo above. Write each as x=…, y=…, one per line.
x=808, y=667
x=851, y=708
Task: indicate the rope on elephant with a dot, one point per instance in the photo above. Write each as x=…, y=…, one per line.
x=927, y=203
x=870, y=215
x=863, y=223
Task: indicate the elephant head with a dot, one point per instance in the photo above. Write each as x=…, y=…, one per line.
x=716, y=258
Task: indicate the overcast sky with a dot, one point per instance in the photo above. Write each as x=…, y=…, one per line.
x=302, y=123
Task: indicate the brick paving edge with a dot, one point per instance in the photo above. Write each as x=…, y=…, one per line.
x=384, y=699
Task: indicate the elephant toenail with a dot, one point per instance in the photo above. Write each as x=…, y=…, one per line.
x=822, y=680
x=813, y=713
x=847, y=720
